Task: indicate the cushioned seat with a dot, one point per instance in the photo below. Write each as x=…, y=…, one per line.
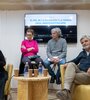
x=79, y=92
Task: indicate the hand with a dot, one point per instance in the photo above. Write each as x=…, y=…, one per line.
x=29, y=49
x=52, y=59
x=88, y=71
x=32, y=48
x=65, y=65
x=55, y=60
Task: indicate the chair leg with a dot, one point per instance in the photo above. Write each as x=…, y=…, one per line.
x=6, y=97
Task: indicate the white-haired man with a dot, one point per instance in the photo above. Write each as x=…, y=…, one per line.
x=56, y=53
x=77, y=70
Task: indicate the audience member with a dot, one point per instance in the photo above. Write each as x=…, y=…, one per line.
x=29, y=49
x=77, y=70
x=3, y=75
x=56, y=53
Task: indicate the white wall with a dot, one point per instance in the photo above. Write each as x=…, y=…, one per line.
x=12, y=33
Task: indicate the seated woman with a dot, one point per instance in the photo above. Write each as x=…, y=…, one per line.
x=29, y=49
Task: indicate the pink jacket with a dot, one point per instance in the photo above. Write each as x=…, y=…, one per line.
x=28, y=44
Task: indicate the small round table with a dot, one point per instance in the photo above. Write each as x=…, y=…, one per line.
x=32, y=88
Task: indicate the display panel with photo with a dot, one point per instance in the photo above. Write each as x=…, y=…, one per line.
x=43, y=23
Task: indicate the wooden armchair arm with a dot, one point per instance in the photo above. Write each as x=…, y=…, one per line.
x=9, y=69
x=62, y=71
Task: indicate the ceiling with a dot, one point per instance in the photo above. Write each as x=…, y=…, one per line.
x=44, y=4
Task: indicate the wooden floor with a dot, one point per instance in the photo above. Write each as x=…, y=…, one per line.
x=52, y=89
x=51, y=94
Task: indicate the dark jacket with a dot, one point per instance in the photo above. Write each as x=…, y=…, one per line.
x=2, y=61
x=83, y=60
x=3, y=75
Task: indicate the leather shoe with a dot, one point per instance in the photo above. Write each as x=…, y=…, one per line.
x=52, y=80
x=58, y=81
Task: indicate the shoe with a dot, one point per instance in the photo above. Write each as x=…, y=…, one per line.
x=52, y=80
x=64, y=94
x=55, y=77
x=58, y=81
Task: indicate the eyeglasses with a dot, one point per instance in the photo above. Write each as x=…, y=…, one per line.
x=28, y=34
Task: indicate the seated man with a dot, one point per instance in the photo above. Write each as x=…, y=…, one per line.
x=77, y=70
x=29, y=49
x=56, y=53
x=3, y=75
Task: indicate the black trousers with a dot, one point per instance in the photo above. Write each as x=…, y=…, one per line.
x=22, y=64
x=3, y=79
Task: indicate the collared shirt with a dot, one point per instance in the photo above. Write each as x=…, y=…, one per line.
x=87, y=53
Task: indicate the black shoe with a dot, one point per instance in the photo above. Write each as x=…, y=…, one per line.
x=52, y=80
x=55, y=77
x=58, y=81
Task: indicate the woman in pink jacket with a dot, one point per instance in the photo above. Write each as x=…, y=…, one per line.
x=29, y=49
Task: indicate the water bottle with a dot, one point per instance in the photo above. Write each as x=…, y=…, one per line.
x=40, y=69
x=26, y=67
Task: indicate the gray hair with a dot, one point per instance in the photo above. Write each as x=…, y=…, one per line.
x=85, y=36
x=58, y=30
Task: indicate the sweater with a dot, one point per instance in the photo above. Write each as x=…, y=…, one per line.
x=28, y=44
x=57, y=48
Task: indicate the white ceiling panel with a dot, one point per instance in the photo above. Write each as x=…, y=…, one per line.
x=44, y=4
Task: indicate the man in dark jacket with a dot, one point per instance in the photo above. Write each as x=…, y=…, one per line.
x=77, y=70
x=3, y=75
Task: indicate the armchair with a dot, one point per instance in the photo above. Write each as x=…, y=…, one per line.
x=62, y=71
x=79, y=92
x=9, y=69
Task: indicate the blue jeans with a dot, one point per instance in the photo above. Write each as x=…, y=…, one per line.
x=47, y=64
